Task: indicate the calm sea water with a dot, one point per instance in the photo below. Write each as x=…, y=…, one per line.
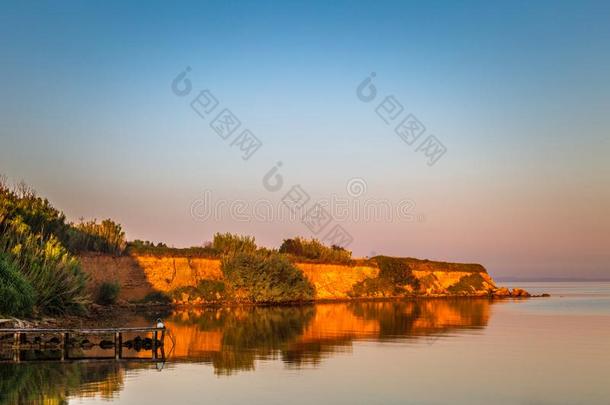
x=538, y=351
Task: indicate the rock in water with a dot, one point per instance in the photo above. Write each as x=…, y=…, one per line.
x=501, y=292
x=519, y=292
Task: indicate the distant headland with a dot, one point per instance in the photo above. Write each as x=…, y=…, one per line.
x=49, y=266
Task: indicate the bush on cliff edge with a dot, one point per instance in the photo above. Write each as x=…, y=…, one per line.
x=313, y=250
x=230, y=244
x=468, y=284
x=261, y=277
x=395, y=279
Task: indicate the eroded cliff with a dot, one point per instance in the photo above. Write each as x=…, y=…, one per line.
x=140, y=275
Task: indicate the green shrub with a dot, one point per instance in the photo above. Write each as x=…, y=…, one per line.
x=265, y=278
x=31, y=237
x=157, y=297
x=17, y=297
x=108, y=293
x=314, y=250
x=37, y=213
x=54, y=274
x=397, y=271
x=162, y=250
x=230, y=244
x=395, y=278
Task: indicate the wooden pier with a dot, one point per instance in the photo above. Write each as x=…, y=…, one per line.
x=63, y=340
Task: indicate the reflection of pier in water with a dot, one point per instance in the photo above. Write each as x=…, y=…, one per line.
x=19, y=345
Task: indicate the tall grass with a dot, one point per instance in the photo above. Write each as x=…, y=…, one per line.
x=30, y=239
x=17, y=297
x=91, y=236
x=230, y=244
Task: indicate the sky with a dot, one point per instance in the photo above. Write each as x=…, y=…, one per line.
x=96, y=117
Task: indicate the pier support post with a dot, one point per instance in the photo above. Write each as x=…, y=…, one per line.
x=64, y=343
x=154, y=346
x=120, y=345
x=117, y=345
x=16, y=349
x=65, y=353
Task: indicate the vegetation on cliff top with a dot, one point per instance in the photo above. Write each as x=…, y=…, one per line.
x=222, y=244
x=297, y=249
x=265, y=278
x=160, y=249
x=91, y=236
x=445, y=266
x=312, y=250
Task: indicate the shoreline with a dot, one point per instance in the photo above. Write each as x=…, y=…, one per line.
x=119, y=314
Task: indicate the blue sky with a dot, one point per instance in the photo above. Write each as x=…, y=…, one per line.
x=519, y=94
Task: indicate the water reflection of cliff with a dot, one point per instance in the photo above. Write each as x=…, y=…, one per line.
x=233, y=339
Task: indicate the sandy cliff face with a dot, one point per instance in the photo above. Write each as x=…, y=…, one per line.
x=334, y=281
x=141, y=275
x=438, y=282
